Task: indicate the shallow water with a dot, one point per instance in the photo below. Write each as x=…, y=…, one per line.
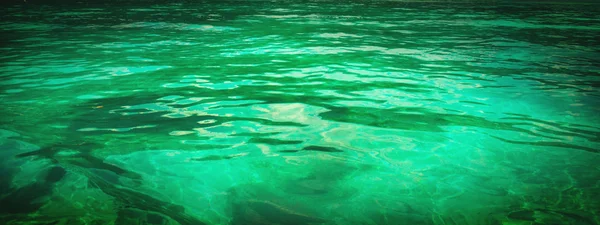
x=300, y=113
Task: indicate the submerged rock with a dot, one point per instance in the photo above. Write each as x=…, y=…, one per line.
x=131, y=199
x=262, y=205
x=55, y=174
x=547, y=216
x=129, y=216
x=255, y=211
x=27, y=199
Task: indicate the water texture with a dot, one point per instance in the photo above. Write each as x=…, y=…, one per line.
x=300, y=113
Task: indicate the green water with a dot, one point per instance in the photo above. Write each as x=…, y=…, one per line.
x=300, y=113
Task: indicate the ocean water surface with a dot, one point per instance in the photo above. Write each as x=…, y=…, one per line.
x=300, y=113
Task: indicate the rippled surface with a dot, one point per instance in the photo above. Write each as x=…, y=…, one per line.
x=312, y=113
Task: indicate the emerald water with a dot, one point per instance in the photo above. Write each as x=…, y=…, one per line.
x=300, y=113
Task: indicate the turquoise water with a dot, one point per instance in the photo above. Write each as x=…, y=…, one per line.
x=300, y=113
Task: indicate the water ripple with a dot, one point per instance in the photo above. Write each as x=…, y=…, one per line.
x=249, y=112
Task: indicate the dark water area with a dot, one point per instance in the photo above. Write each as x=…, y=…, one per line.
x=300, y=113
